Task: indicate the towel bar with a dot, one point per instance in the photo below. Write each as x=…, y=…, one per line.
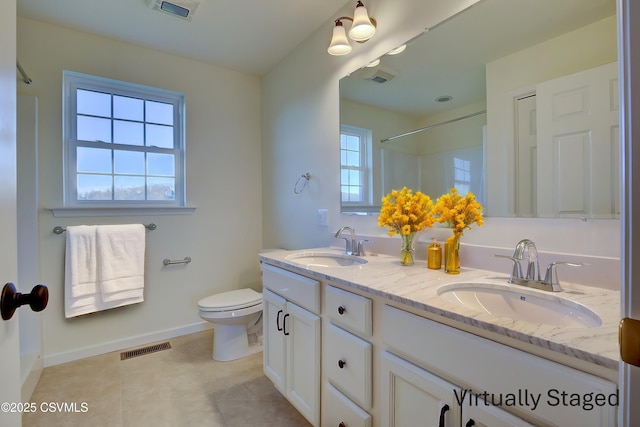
x=168, y=261
x=59, y=230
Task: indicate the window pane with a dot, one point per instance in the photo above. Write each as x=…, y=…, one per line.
x=93, y=129
x=128, y=108
x=353, y=143
x=94, y=160
x=160, y=164
x=128, y=162
x=159, y=136
x=94, y=187
x=353, y=158
x=354, y=177
x=159, y=112
x=129, y=133
x=128, y=188
x=161, y=189
x=93, y=103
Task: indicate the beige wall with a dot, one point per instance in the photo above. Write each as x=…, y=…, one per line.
x=223, y=181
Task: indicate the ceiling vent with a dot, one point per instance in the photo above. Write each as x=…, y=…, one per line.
x=181, y=8
x=377, y=74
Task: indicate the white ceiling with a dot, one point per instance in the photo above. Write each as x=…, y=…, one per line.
x=249, y=36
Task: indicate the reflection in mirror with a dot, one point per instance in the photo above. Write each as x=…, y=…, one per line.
x=514, y=101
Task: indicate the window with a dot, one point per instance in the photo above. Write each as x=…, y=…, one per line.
x=355, y=168
x=123, y=143
x=462, y=175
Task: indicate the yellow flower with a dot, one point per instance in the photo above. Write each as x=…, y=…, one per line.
x=458, y=212
x=405, y=212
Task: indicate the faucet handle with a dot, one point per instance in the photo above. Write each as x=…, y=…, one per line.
x=361, y=251
x=516, y=273
x=551, y=276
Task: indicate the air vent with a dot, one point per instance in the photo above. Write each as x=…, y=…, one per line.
x=144, y=350
x=381, y=77
x=180, y=8
x=378, y=74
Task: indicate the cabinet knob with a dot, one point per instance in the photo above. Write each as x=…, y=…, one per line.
x=341, y=310
x=470, y=423
x=342, y=424
x=341, y=363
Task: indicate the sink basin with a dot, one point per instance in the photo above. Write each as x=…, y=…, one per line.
x=520, y=304
x=324, y=259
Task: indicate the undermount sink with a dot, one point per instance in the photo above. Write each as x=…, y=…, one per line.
x=325, y=259
x=520, y=304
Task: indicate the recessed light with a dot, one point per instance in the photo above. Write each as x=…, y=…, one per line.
x=444, y=98
x=373, y=63
x=397, y=50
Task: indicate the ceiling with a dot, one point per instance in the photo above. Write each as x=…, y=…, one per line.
x=450, y=58
x=250, y=37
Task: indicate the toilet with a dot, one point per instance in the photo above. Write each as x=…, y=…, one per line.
x=237, y=322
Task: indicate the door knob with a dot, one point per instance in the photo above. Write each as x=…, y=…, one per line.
x=12, y=299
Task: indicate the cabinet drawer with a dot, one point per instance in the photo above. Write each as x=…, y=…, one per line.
x=351, y=311
x=294, y=287
x=348, y=364
x=340, y=411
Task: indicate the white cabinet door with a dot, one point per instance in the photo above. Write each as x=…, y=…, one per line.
x=481, y=415
x=302, y=335
x=273, y=351
x=413, y=396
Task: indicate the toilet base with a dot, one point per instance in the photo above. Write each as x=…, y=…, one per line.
x=231, y=342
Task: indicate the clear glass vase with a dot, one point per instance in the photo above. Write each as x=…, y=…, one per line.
x=451, y=256
x=406, y=250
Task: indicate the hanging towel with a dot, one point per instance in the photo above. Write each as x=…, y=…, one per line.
x=80, y=261
x=121, y=250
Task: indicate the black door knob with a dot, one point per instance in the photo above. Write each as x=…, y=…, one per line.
x=12, y=299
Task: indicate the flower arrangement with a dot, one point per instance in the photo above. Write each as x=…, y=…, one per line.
x=406, y=213
x=458, y=213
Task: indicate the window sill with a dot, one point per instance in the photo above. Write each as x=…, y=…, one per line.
x=68, y=212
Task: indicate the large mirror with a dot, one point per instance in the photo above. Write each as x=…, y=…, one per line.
x=515, y=101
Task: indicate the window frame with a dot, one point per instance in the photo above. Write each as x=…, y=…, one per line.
x=72, y=81
x=365, y=169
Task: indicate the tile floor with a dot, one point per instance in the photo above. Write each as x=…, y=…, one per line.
x=182, y=386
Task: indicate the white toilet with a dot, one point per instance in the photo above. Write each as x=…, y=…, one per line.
x=237, y=319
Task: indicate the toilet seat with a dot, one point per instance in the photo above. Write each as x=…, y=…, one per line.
x=231, y=300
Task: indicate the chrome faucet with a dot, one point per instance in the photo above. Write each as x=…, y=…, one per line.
x=351, y=248
x=533, y=269
x=532, y=279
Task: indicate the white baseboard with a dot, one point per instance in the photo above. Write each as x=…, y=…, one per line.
x=107, y=347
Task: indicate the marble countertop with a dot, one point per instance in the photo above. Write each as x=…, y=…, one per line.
x=417, y=286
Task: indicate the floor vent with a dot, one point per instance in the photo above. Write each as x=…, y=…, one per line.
x=144, y=350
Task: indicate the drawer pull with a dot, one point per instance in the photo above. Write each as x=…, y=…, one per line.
x=278, y=320
x=341, y=363
x=341, y=310
x=443, y=411
x=470, y=423
x=342, y=424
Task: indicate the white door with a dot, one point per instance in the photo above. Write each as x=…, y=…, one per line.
x=578, y=144
x=628, y=40
x=9, y=332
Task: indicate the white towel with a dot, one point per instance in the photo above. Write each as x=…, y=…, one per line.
x=121, y=250
x=80, y=261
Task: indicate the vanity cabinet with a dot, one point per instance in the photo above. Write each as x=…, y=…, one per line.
x=291, y=338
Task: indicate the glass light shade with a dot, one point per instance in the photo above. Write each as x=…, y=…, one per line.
x=362, y=28
x=339, y=44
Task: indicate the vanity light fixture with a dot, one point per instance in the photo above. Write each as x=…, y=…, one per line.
x=362, y=29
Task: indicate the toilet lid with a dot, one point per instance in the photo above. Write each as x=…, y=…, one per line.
x=230, y=300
